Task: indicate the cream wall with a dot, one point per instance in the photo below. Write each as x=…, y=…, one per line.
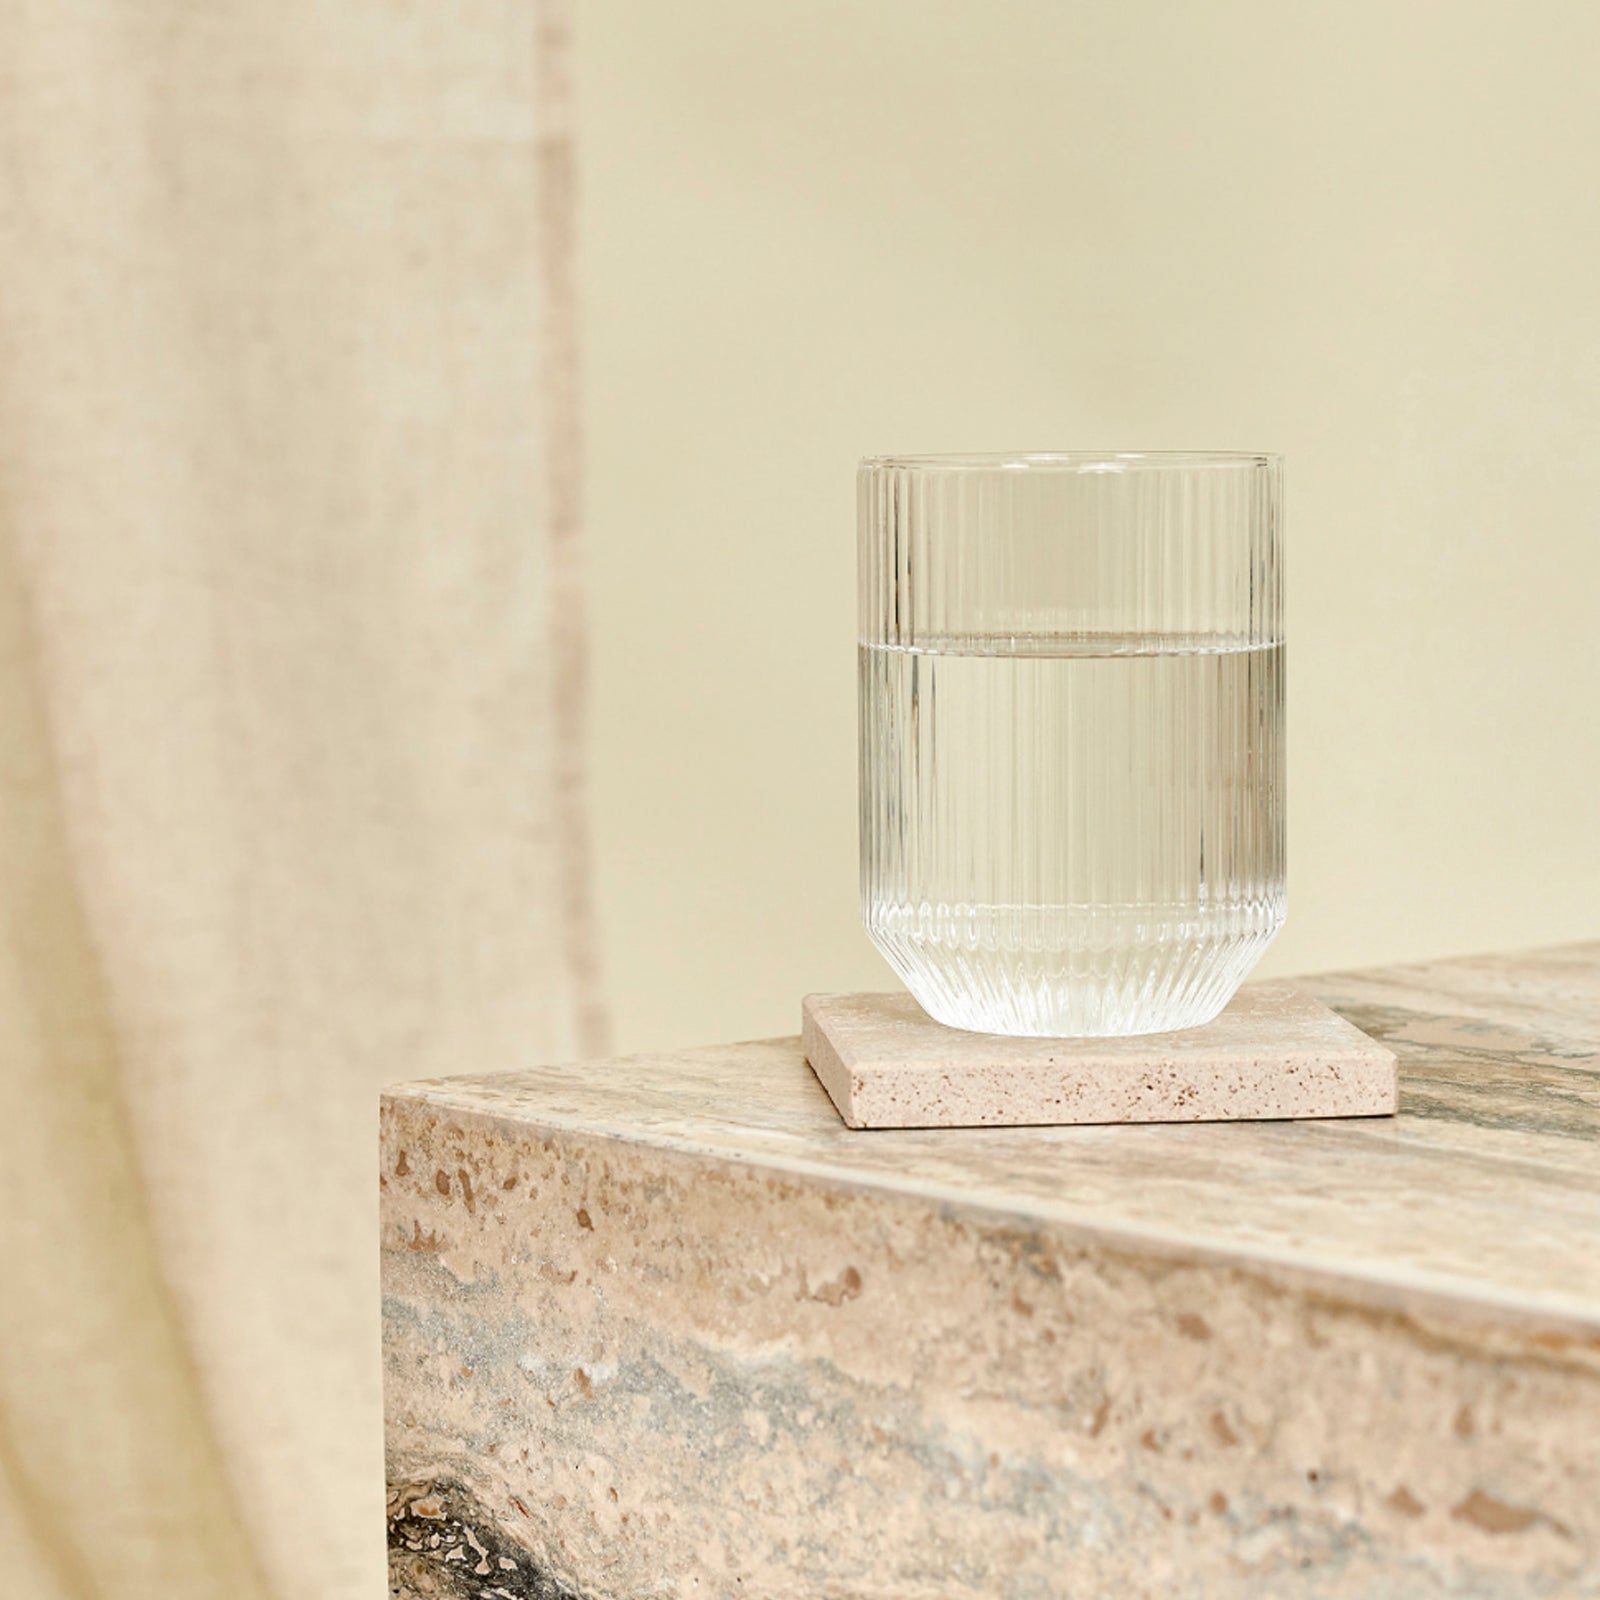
x=1364, y=234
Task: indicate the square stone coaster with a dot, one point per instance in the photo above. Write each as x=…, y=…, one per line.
x=1273, y=1053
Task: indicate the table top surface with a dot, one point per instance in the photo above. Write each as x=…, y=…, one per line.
x=1484, y=1190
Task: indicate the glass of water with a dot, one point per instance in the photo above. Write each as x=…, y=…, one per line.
x=1072, y=753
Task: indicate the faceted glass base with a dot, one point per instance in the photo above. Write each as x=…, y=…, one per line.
x=1073, y=972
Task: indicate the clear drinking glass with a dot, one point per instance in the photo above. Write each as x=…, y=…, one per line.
x=1071, y=684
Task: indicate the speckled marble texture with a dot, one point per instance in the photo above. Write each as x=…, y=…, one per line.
x=665, y=1327
x=1274, y=1053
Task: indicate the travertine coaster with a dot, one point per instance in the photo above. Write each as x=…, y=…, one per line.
x=1272, y=1053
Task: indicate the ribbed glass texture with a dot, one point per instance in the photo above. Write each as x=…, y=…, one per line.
x=1071, y=687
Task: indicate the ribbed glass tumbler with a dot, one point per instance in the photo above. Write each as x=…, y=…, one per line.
x=1071, y=682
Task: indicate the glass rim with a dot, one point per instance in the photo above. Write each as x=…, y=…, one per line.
x=1072, y=460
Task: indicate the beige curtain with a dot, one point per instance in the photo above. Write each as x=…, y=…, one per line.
x=288, y=733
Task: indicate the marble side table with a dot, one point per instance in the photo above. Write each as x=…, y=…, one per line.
x=665, y=1327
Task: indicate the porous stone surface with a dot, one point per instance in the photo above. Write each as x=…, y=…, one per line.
x=1274, y=1052
x=665, y=1326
